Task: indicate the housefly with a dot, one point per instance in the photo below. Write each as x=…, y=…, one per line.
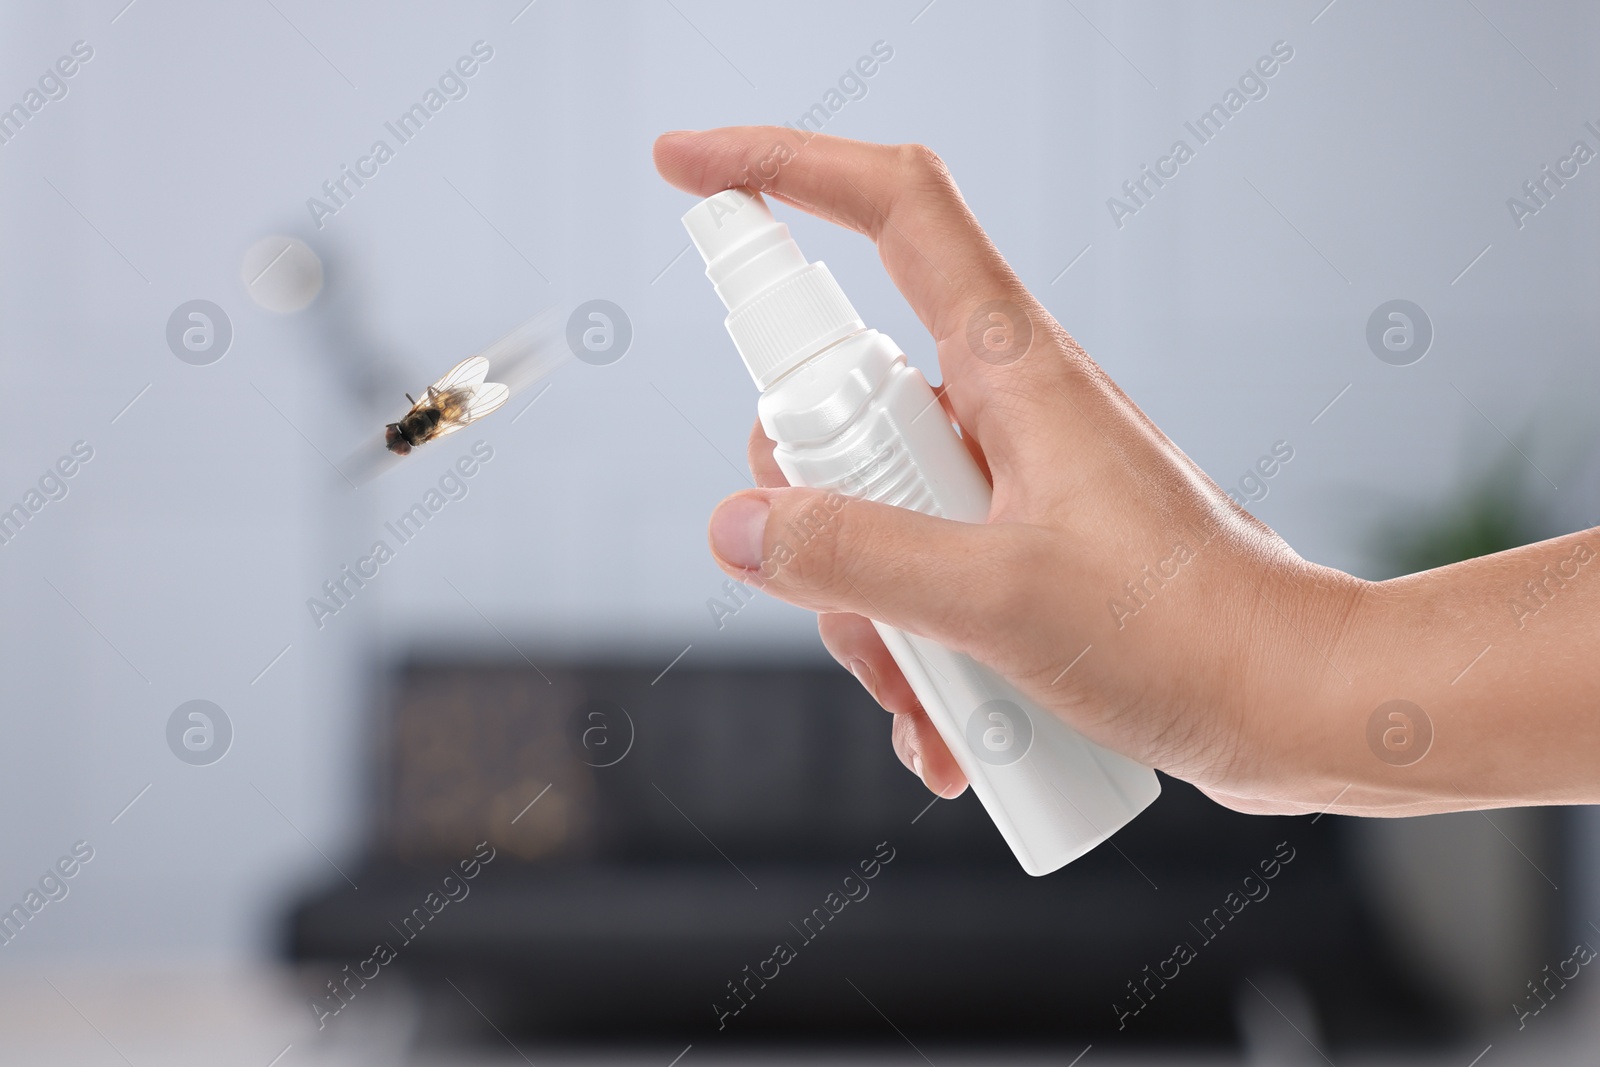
x=460, y=397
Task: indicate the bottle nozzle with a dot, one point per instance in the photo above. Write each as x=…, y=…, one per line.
x=744, y=247
x=721, y=222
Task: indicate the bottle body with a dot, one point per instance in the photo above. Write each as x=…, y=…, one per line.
x=850, y=416
x=857, y=420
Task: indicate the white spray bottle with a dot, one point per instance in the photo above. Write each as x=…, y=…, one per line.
x=850, y=416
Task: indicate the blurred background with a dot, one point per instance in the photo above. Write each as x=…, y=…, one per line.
x=578, y=800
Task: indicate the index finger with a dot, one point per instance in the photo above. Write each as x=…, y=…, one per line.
x=904, y=199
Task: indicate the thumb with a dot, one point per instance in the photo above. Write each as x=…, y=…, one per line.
x=952, y=582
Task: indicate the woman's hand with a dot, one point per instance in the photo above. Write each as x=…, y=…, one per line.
x=1114, y=583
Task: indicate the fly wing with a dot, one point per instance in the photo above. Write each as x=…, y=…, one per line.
x=531, y=352
x=469, y=372
x=469, y=404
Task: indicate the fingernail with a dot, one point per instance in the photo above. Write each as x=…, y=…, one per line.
x=738, y=530
x=677, y=133
x=916, y=765
x=865, y=676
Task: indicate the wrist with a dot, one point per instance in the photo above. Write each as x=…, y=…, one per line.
x=1408, y=719
x=1314, y=635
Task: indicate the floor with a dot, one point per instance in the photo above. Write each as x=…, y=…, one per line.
x=75, y=1017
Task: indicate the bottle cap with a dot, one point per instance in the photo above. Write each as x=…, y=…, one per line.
x=781, y=309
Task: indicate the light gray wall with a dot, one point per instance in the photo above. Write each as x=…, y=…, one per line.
x=1232, y=307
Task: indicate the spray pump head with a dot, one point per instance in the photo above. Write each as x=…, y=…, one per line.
x=781, y=309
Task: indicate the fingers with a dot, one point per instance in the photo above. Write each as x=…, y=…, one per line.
x=904, y=199
x=963, y=585
x=763, y=467
x=854, y=642
x=920, y=747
